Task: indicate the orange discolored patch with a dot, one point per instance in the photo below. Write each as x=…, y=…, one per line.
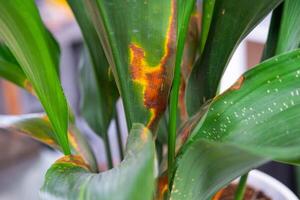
x=75, y=160
x=73, y=141
x=28, y=87
x=238, y=84
x=144, y=135
x=162, y=187
x=218, y=195
x=155, y=80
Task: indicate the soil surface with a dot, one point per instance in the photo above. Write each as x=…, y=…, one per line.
x=250, y=194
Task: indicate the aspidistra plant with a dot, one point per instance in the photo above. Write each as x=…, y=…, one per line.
x=153, y=55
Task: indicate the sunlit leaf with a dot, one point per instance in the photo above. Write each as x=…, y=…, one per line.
x=230, y=23
x=133, y=179
x=22, y=31
x=257, y=119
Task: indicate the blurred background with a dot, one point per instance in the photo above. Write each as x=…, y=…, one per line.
x=23, y=161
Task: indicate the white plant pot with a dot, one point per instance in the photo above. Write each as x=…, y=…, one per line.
x=270, y=186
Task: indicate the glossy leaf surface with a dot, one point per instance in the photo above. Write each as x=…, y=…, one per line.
x=98, y=90
x=37, y=126
x=257, y=119
x=22, y=31
x=139, y=39
x=230, y=23
x=133, y=179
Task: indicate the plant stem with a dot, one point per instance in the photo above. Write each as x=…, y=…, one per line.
x=181, y=35
x=119, y=135
x=108, y=151
x=173, y=116
x=241, y=188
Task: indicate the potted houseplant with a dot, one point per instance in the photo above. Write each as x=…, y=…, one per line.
x=152, y=55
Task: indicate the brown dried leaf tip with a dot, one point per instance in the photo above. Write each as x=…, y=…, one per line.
x=76, y=160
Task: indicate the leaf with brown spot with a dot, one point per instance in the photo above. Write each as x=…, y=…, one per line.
x=224, y=35
x=37, y=54
x=254, y=122
x=162, y=187
x=37, y=126
x=141, y=51
x=133, y=179
x=190, y=53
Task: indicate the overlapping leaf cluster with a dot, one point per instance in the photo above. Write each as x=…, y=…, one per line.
x=153, y=55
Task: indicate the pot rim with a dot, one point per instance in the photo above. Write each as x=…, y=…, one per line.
x=257, y=176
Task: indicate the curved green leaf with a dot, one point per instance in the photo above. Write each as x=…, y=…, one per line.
x=209, y=167
x=185, y=9
x=140, y=48
x=208, y=9
x=191, y=44
x=98, y=100
x=189, y=56
x=271, y=43
x=22, y=31
x=289, y=34
x=255, y=120
x=38, y=127
x=98, y=89
x=231, y=22
x=284, y=33
x=133, y=179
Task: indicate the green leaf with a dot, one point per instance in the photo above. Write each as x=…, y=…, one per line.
x=98, y=89
x=257, y=119
x=37, y=126
x=191, y=43
x=289, y=34
x=23, y=32
x=185, y=9
x=284, y=33
x=98, y=100
x=189, y=56
x=140, y=48
x=271, y=43
x=10, y=69
x=208, y=9
x=209, y=167
x=133, y=179
x=230, y=23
